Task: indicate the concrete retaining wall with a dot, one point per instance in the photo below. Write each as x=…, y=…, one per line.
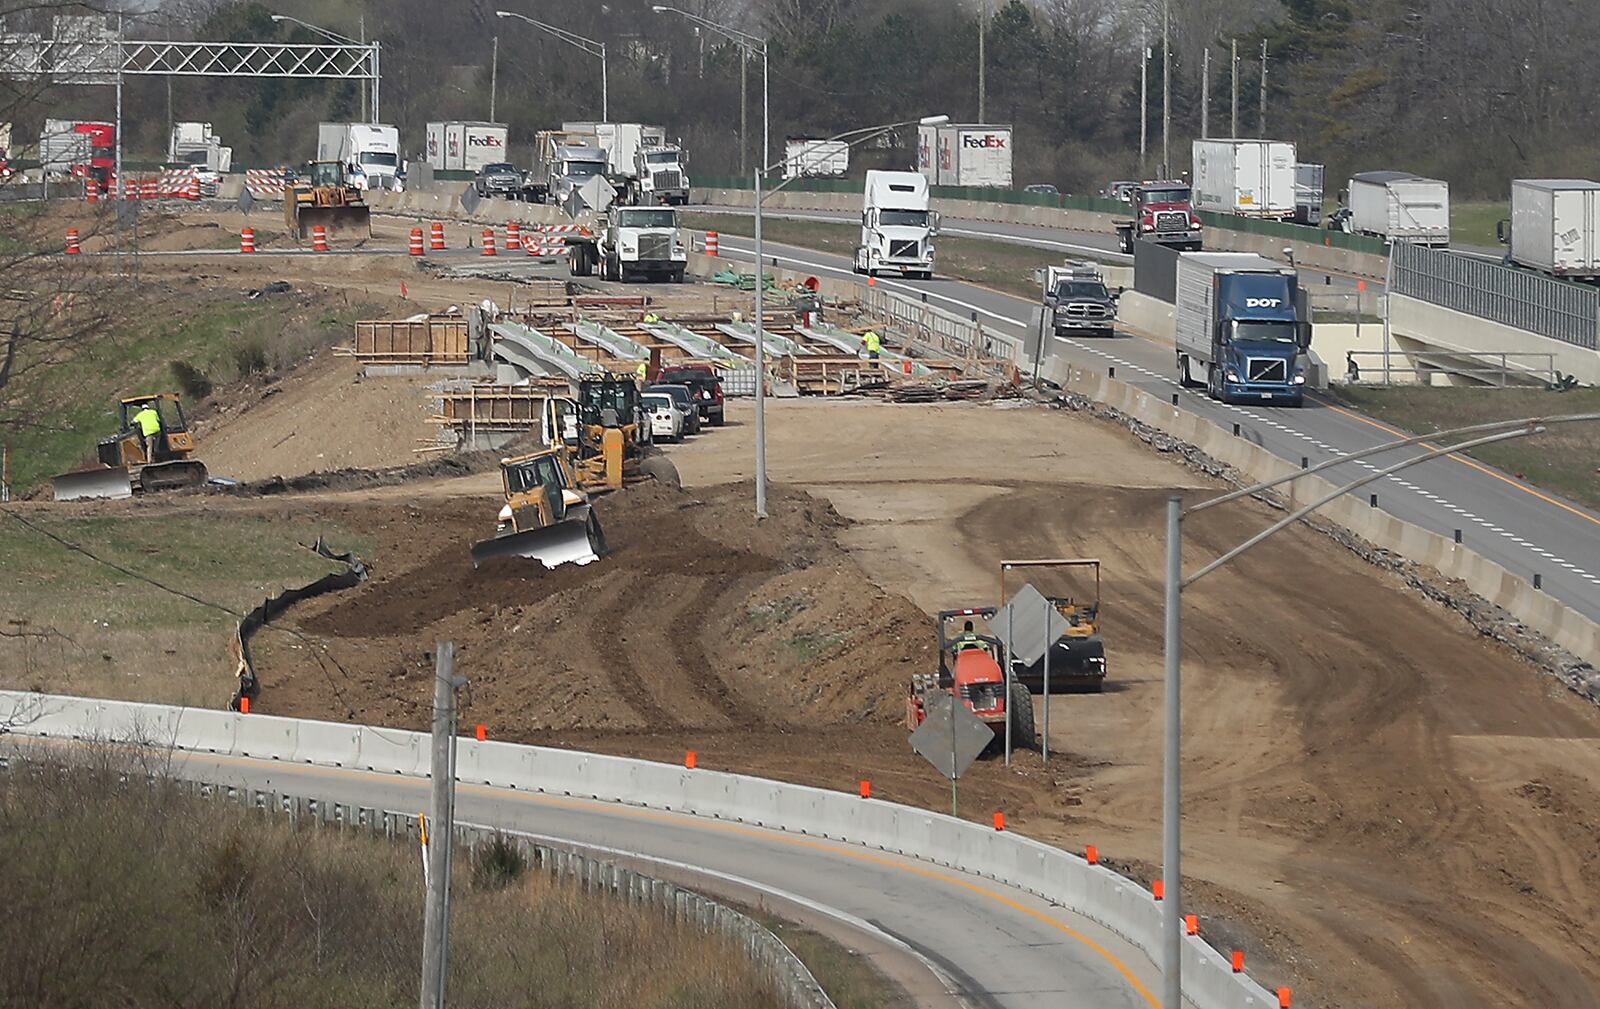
x=1540, y=611
x=1446, y=329
x=1092, y=891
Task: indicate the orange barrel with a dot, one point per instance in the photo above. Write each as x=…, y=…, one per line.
x=319, y=238
x=711, y=243
x=416, y=242
x=488, y=242
x=247, y=240
x=72, y=242
x=436, y=235
x=513, y=236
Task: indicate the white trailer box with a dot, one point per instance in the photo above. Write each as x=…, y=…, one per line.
x=1400, y=207
x=804, y=157
x=61, y=146
x=973, y=155
x=465, y=146
x=621, y=141
x=1555, y=226
x=927, y=153
x=1248, y=178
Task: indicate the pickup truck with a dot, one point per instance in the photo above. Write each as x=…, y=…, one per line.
x=1075, y=295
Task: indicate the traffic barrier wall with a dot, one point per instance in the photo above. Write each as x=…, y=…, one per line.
x=1064, y=878
x=1540, y=611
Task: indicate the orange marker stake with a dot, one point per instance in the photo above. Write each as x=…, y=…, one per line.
x=1091, y=854
x=999, y=820
x=244, y=705
x=866, y=789
x=481, y=732
x=1159, y=889
x=1191, y=924
x=688, y=759
x=1284, y=1000
x=1238, y=961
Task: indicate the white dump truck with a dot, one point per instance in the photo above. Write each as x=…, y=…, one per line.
x=897, y=226
x=629, y=243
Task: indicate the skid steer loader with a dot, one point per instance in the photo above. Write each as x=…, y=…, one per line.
x=322, y=195
x=546, y=516
x=124, y=466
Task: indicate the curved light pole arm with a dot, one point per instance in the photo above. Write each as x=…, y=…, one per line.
x=752, y=42
x=588, y=45
x=1527, y=429
x=868, y=133
x=325, y=33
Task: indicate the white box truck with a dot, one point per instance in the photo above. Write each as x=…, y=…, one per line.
x=195, y=144
x=1400, y=207
x=1247, y=178
x=622, y=142
x=370, y=152
x=970, y=155
x=465, y=146
x=1555, y=227
x=811, y=158
x=897, y=228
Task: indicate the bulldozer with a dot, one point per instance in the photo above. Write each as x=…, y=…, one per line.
x=323, y=195
x=123, y=464
x=613, y=437
x=1078, y=657
x=546, y=516
x=970, y=670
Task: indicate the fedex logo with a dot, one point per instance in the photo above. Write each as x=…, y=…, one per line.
x=990, y=140
x=484, y=140
x=1262, y=302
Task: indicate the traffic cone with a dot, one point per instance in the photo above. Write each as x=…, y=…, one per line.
x=711, y=243
x=319, y=238
x=247, y=240
x=415, y=247
x=488, y=242
x=73, y=248
x=436, y=236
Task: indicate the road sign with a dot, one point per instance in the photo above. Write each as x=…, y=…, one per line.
x=951, y=736
x=1029, y=625
x=469, y=200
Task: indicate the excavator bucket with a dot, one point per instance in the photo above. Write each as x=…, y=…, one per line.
x=353, y=221
x=578, y=539
x=99, y=482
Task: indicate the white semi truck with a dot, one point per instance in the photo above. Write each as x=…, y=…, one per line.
x=897, y=226
x=370, y=153
x=630, y=243
x=1555, y=227
x=642, y=165
x=1247, y=178
x=1399, y=207
x=195, y=144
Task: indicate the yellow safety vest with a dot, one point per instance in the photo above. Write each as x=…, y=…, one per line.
x=149, y=421
x=644, y=369
x=652, y=317
x=872, y=342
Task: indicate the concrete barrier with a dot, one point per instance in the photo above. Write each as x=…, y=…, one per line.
x=1543, y=613
x=1061, y=877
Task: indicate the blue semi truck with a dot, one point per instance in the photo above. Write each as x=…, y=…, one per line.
x=1242, y=328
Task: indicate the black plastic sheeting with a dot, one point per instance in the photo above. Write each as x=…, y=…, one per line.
x=354, y=574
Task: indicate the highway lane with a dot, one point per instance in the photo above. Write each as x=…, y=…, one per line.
x=1526, y=530
x=998, y=947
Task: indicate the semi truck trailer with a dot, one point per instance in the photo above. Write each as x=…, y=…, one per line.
x=1247, y=178
x=1399, y=207
x=370, y=153
x=1554, y=227
x=460, y=146
x=1241, y=328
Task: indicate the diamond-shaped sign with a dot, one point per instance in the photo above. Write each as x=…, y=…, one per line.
x=1029, y=624
x=245, y=200
x=469, y=200
x=951, y=736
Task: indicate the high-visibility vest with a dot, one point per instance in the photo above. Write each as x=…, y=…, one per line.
x=872, y=342
x=644, y=369
x=149, y=421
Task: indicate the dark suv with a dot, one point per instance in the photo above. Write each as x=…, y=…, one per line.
x=705, y=385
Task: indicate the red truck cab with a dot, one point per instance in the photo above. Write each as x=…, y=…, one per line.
x=1162, y=213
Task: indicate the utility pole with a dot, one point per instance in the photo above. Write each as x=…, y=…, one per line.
x=1144, y=98
x=441, y=827
x=494, y=75
x=1205, y=94
x=361, y=27
x=983, y=31
x=1261, y=123
x=1166, y=87
x=744, y=135
x=1234, y=126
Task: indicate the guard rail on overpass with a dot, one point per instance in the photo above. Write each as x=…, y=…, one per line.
x=1063, y=878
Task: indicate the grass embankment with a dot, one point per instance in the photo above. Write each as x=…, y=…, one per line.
x=139, y=896
x=187, y=341
x=73, y=624
x=1474, y=223
x=1004, y=266
x=1565, y=460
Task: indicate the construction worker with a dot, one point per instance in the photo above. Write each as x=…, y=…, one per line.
x=871, y=343
x=651, y=317
x=148, y=421
x=968, y=638
x=644, y=371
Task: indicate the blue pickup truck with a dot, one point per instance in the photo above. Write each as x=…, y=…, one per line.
x=1241, y=328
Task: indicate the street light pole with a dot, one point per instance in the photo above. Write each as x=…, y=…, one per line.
x=494, y=75
x=1175, y=583
x=1166, y=87
x=588, y=45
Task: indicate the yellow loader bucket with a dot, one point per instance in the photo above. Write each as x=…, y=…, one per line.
x=578, y=539
x=349, y=221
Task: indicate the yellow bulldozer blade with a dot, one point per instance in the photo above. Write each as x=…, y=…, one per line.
x=102, y=481
x=576, y=540
x=347, y=222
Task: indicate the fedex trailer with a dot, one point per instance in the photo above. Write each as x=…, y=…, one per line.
x=965, y=155
x=465, y=146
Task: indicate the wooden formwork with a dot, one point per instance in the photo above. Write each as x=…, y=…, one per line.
x=436, y=340
x=485, y=407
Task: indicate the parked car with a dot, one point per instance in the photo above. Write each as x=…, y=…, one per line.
x=666, y=418
x=683, y=397
x=1042, y=187
x=704, y=383
x=498, y=179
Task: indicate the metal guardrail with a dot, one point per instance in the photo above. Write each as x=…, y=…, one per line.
x=1511, y=297
x=1064, y=878
x=1501, y=370
x=964, y=338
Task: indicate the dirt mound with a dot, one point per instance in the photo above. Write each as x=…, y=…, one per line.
x=353, y=478
x=699, y=616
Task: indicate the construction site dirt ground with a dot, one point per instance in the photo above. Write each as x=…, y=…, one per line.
x=1382, y=807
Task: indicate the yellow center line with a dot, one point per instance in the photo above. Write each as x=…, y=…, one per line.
x=769, y=835
x=1470, y=463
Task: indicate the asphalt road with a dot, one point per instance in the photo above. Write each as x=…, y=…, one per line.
x=1526, y=530
x=995, y=947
